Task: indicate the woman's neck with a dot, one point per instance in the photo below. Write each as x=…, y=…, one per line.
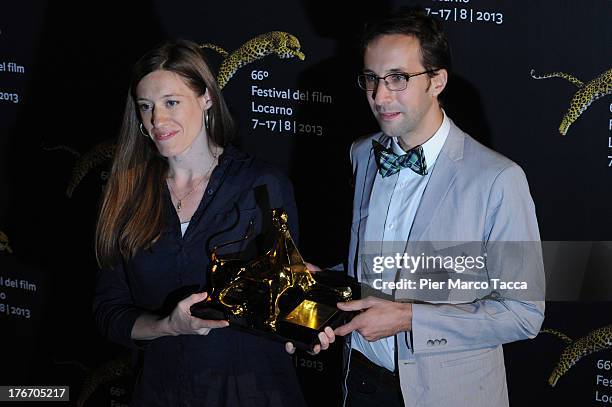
x=194, y=163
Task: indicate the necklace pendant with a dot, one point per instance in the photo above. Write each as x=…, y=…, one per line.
x=178, y=206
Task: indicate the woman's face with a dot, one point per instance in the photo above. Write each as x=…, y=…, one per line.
x=171, y=112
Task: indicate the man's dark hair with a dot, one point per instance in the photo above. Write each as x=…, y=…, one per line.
x=435, y=51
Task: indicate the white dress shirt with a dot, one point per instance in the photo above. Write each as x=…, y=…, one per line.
x=393, y=206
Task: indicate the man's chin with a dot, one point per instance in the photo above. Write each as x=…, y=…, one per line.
x=389, y=131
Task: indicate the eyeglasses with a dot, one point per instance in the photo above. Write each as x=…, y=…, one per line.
x=396, y=81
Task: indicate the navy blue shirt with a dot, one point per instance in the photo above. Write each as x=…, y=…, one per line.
x=225, y=367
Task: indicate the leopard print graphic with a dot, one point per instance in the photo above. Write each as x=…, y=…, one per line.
x=4, y=243
x=94, y=157
x=283, y=44
x=105, y=373
x=217, y=48
x=587, y=93
x=598, y=340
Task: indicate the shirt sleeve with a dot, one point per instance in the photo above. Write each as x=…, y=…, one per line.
x=113, y=308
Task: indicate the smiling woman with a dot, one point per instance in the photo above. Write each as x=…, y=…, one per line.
x=138, y=173
x=171, y=112
x=177, y=186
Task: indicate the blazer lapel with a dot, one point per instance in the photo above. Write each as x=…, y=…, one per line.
x=368, y=183
x=364, y=182
x=442, y=177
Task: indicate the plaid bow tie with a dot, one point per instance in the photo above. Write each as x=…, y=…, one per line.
x=389, y=163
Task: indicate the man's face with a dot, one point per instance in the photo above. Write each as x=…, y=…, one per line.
x=407, y=113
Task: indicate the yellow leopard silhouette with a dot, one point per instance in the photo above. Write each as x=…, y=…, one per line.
x=283, y=44
x=4, y=243
x=587, y=93
x=97, y=155
x=598, y=340
x=85, y=162
x=107, y=372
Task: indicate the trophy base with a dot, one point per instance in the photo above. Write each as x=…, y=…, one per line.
x=301, y=319
x=302, y=325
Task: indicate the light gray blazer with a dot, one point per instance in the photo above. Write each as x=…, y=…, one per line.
x=453, y=356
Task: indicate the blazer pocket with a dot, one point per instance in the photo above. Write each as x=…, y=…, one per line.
x=358, y=224
x=462, y=258
x=472, y=356
x=446, y=245
x=358, y=219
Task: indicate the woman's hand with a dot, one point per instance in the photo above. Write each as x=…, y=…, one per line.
x=181, y=322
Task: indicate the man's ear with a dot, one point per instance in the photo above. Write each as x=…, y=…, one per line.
x=438, y=82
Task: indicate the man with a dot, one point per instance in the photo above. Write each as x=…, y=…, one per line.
x=421, y=179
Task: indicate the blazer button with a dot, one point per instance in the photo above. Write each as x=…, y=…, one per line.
x=437, y=342
x=443, y=341
x=210, y=192
x=430, y=343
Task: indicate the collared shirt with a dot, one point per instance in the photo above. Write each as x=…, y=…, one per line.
x=393, y=206
x=225, y=367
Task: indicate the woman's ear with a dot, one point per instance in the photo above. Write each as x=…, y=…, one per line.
x=205, y=101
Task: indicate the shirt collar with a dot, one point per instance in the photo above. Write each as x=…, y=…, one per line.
x=432, y=147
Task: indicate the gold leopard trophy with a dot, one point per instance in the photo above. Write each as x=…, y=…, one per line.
x=273, y=295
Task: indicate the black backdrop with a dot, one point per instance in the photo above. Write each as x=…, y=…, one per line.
x=64, y=71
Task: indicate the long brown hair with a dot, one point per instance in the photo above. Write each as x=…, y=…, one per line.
x=131, y=215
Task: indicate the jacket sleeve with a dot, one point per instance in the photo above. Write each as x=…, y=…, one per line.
x=113, y=308
x=512, y=245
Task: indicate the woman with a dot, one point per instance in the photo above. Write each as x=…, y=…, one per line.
x=178, y=188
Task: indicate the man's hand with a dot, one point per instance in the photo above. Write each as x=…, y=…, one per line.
x=312, y=268
x=326, y=337
x=379, y=318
